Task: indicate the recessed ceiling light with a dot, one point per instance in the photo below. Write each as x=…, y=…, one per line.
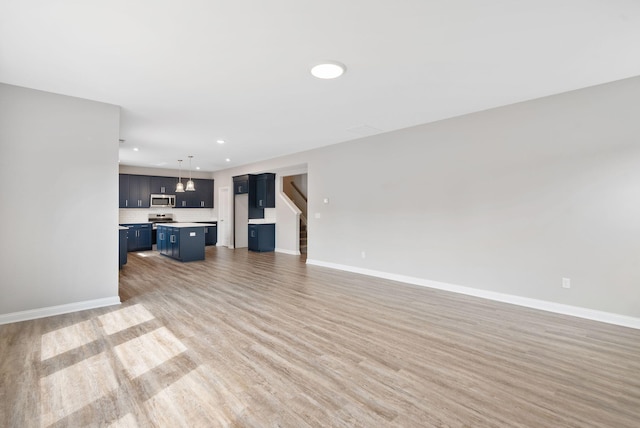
x=220, y=141
x=135, y=149
x=197, y=167
x=227, y=160
x=328, y=70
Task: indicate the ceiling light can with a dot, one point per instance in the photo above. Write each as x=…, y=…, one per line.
x=328, y=70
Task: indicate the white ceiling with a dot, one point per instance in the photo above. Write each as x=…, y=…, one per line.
x=187, y=73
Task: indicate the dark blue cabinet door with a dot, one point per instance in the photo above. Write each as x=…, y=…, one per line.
x=123, y=190
x=202, y=197
x=186, y=199
x=241, y=184
x=160, y=239
x=144, y=237
x=262, y=237
x=163, y=185
x=138, y=236
x=204, y=192
x=210, y=235
x=174, y=243
x=265, y=196
x=139, y=191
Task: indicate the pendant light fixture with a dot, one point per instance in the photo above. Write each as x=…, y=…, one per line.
x=190, y=186
x=179, y=186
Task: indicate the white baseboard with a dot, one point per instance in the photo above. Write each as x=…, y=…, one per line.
x=293, y=253
x=559, y=308
x=48, y=311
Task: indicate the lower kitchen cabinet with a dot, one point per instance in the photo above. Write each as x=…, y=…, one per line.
x=138, y=236
x=262, y=237
x=184, y=242
x=122, y=246
x=210, y=232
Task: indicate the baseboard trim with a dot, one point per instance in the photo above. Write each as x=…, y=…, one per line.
x=559, y=308
x=293, y=253
x=48, y=311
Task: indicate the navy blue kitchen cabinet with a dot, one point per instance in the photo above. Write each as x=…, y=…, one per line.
x=122, y=247
x=262, y=237
x=202, y=197
x=163, y=185
x=265, y=195
x=210, y=233
x=241, y=184
x=185, y=199
x=135, y=191
x=139, y=191
x=261, y=189
x=204, y=192
x=183, y=243
x=173, y=249
x=123, y=190
x=161, y=239
x=138, y=236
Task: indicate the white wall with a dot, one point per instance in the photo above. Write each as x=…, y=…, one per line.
x=59, y=175
x=508, y=200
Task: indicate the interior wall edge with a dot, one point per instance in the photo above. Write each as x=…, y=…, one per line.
x=32, y=314
x=558, y=308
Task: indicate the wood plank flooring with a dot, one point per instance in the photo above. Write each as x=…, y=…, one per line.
x=263, y=340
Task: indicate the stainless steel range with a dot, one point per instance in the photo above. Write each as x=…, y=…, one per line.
x=160, y=218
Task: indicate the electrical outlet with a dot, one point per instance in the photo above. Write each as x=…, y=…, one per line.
x=566, y=282
x=364, y=255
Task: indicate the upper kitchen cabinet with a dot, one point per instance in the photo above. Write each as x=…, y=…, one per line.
x=260, y=189
x=265, y=196
x=204, y=192
x=124, y=190
x=241, y=184
x=134, y=191
x=163, y=185
x=201, y=198
x=139, y=191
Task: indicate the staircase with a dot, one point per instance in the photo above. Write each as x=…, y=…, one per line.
x=303, y=238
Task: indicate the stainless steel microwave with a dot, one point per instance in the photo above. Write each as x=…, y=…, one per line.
x=163, y=201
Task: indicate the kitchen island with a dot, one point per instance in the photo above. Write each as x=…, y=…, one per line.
x=182, y=241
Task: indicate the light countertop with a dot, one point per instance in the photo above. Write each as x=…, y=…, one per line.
x=262, y=221
x=180, y=225
x=122, y=228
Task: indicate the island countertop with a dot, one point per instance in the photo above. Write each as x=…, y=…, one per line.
x=185, y=224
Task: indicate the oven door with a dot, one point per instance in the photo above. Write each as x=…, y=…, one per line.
x=163, y=201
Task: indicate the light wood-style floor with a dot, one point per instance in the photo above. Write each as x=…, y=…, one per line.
x=263, y=340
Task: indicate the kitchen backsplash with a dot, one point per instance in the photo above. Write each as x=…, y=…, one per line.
x=134, y=215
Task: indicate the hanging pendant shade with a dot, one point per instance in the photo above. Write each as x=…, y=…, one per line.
x=191, y=187
x=179, y=186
